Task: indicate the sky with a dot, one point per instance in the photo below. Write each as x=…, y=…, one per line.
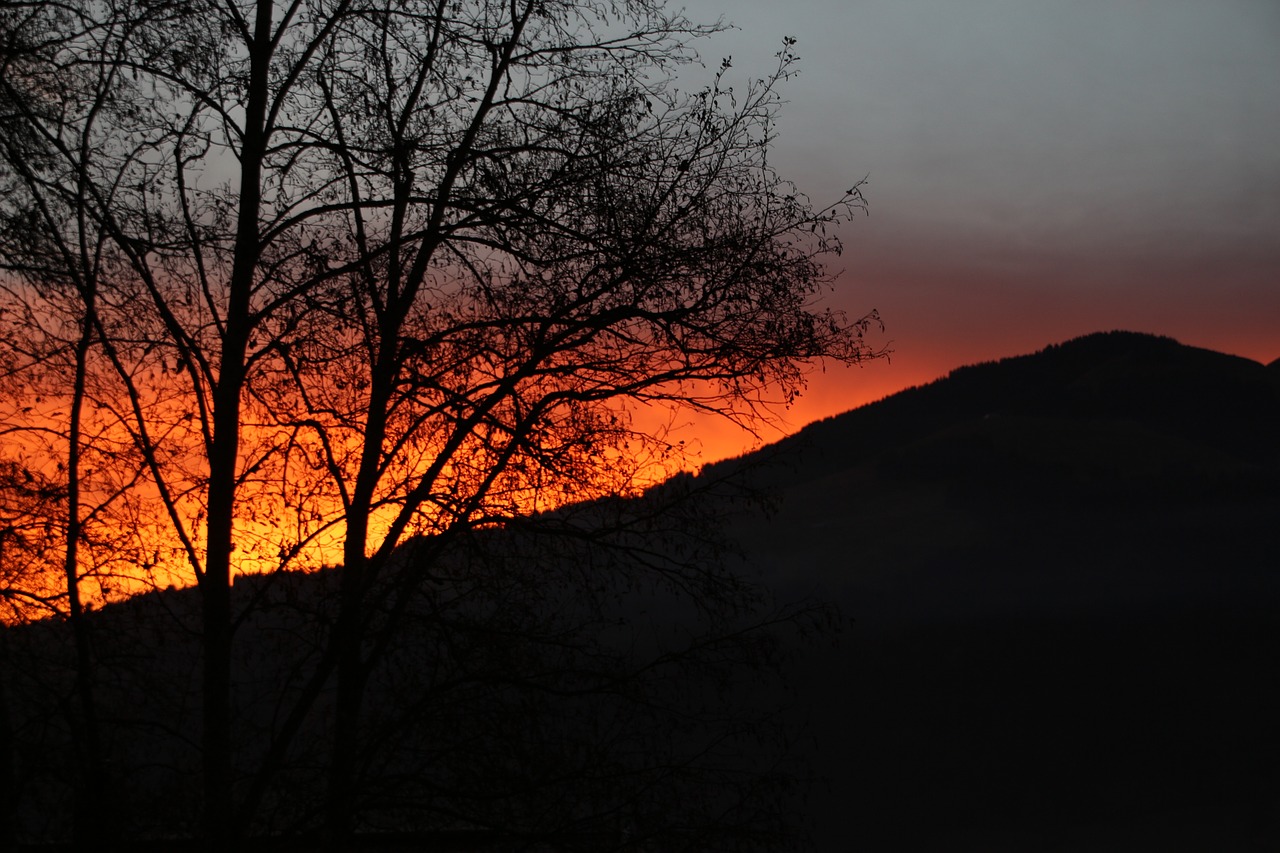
x=1037, y=170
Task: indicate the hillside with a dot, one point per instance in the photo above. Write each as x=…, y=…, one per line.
x=1111, y=456
x=1063, y=578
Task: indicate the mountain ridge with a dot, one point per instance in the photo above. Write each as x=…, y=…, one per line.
x=1137, y=443
x=1060, y=582
x=1101, y=374
x=1061, y=575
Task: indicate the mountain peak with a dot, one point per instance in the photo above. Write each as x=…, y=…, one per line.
x=1165, y=387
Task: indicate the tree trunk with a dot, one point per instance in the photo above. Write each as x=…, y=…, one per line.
x=224, y=451
x=347, y=633
x=340, y=805
x=95, y=821
x=8, y=783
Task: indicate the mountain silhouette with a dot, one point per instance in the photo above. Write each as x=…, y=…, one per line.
x=1063, y=576
x=1061, y=579
x=1116, y=454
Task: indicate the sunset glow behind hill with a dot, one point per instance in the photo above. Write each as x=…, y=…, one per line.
x=1036, y=171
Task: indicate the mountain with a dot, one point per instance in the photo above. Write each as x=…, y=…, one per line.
x=1111, y=455
x=1063, y=576
x=1060, y=575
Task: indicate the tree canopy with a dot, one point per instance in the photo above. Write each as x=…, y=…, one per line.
x=291, y=283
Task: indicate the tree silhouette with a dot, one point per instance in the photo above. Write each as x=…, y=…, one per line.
x=343, y=275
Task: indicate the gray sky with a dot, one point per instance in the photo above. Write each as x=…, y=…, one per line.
x=1038, y=169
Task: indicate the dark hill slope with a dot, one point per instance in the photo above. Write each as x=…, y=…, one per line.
x=1196, y=395
x=1114, y=454
x=1064, y=581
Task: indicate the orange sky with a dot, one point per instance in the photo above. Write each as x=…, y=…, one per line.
x=936, y=321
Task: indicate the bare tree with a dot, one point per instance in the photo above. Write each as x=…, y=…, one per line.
x=69, y=471
x=555, y=234
x=358, y=271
